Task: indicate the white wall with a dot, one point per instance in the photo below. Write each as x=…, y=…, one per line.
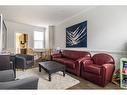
x=47, y=37
x=13, y=28
x=106, y=30
x=1, y=32
x=51, y=36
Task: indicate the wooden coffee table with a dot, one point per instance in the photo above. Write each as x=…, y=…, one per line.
x=51, y=67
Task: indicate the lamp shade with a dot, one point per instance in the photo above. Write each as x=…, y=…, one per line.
x=58, y=48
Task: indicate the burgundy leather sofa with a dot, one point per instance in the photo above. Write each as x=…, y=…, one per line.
x=99, y=69
x=71, y=59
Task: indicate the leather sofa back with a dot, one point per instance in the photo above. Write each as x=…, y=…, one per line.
x=102, y=58
x=75, y=54
x=5, y=62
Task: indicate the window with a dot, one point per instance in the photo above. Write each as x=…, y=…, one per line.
x=38, y=40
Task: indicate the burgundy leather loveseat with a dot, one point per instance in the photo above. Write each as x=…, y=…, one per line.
x=71, y=59
x=99, y=69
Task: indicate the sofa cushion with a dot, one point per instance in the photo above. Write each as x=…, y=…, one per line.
x=61, y=60
x=93, y=68
x=57, y=55
x=74, y=55
x=69, y=63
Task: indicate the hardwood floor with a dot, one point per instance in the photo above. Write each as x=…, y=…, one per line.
x=84, y=84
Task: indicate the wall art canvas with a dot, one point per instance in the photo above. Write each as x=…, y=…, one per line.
x=76, y=35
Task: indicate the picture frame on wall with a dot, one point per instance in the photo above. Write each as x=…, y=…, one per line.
x=76, y=35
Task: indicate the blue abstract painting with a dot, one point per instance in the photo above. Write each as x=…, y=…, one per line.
x=76, y=35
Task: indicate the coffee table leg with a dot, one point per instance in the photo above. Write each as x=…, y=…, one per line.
x=64, y=73
x=39, y=68
x=49, y=77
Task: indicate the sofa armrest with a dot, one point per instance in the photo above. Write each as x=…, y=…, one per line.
x=11, y=65
x=83, y=59
x=30, y=57
x=26, y=83
x=108, y=67
x=6, y=75
x=57, y=55
x=87, y=62
x=79, y=62
x=107, y=71
x=20, y=59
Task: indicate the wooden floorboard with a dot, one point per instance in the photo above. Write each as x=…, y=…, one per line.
x=85, y=84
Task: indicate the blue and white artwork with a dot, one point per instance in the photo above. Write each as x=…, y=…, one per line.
x=76, y=35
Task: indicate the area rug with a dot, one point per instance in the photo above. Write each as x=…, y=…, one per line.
x=58, y=80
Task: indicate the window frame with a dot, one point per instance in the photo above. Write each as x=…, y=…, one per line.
x=43, y=41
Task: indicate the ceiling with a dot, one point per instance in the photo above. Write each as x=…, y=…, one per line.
x=40, y=15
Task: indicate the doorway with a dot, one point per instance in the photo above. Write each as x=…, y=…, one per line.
x=21, y=43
